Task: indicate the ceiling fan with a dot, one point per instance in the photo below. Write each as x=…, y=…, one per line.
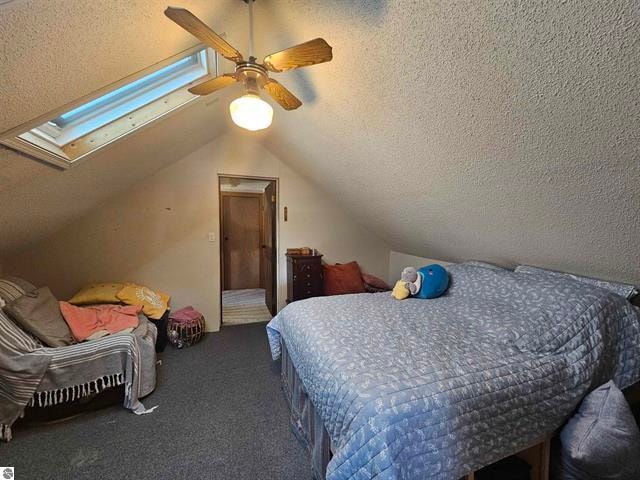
x=250, y=111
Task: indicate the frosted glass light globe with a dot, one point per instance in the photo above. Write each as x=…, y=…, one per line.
x=251, y=112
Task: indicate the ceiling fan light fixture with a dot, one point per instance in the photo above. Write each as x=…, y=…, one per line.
x=251, y=112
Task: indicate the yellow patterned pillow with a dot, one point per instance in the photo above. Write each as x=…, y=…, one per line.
x=154, y=304
x=97, y=293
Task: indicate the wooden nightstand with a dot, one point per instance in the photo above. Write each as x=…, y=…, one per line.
x=304, y=277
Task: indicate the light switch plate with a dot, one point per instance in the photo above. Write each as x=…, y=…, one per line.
x=211, y=236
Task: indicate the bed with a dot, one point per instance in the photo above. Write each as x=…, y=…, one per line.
x=438, y=388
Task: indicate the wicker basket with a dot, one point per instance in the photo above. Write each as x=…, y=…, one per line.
x=185, y=333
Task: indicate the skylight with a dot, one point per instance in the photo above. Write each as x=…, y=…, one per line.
x=133, y=93
x=84, y=128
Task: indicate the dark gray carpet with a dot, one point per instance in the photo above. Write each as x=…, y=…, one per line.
x=221, y=415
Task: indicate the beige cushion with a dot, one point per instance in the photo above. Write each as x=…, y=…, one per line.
x=39, y=313
x=12, y=288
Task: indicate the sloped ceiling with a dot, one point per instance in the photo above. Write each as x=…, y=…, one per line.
x=53, y=53
x=501, y=130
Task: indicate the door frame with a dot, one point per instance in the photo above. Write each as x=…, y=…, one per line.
x=276, y=264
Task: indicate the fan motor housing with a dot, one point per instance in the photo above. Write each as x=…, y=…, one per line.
x=252, y=74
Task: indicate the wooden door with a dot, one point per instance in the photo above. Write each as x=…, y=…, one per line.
x=241, y=233
x=269, y=247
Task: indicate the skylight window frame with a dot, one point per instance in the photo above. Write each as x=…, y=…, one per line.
x=41, y=137
x=125, y=93
x=126, y=99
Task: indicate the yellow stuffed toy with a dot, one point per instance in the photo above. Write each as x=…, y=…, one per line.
x=400, y=290
x=409, y=284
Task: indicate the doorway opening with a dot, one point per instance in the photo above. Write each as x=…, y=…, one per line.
x=248, y=249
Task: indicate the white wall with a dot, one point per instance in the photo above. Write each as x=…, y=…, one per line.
x=398, y=261
x=156, y=232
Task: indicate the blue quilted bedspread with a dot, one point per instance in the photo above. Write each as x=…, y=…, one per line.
x=418, y=389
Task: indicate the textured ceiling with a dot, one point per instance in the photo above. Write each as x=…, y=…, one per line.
x=501, y=130
x=55, y=52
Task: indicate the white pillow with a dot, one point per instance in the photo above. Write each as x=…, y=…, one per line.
x=623, y=289
x=478, y=263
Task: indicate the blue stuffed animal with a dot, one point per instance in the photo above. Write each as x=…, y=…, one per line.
x=435, y=281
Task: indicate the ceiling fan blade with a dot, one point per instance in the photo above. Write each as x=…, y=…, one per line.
x=284, y=97
x=202, y=32
x=303, y=55
x=210, y=86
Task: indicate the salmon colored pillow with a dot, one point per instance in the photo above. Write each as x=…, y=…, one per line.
x=341, y=279
x=154, y=304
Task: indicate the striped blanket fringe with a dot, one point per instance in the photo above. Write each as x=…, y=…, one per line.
x=5, y=432
x=69, y=394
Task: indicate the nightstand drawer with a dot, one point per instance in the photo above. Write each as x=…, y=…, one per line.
x=306, y=271
x=307, y=289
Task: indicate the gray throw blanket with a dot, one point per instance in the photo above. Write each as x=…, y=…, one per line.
x=41, y=376
x=22, y=367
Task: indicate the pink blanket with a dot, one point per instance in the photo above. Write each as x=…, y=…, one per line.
x=185, y=315
x=98, y=320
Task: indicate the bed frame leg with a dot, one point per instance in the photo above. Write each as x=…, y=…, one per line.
x=538, y=456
